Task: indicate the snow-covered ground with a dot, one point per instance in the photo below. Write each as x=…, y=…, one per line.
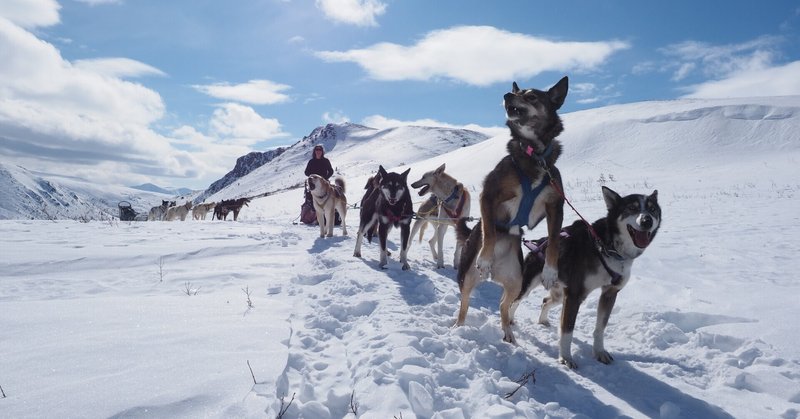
x=151, y=319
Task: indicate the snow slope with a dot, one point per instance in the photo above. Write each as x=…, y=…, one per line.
x=151, y=319
x=31, y=195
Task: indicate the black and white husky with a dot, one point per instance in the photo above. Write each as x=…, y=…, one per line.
x=387, y=206
x=600, y=256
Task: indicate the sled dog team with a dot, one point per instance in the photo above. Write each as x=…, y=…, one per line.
x=168, y=211
x=524, y=189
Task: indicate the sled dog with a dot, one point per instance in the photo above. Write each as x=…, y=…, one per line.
x=328, y=198
x=200, y=211
x=518, y=192
x=587, y=262
x=180, y=211
x=227, y=206
x=449, y=201
x=387, y=206
x=158, y=213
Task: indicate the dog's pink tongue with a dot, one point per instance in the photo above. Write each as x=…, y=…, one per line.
x=640, y=238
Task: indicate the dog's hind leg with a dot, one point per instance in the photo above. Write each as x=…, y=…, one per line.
x=466, y=285
x=343, y=216
x=438, y=235
x=604, y=307
x=552, y=300
x=568, y=316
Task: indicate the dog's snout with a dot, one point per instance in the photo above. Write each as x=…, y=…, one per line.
x=646, y=221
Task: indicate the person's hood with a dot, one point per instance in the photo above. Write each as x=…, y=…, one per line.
x=316, y=147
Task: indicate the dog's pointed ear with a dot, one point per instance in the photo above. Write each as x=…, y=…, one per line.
x=404, y=175
x=381, y=171
x=558, y=93
x=654, y=196
x=514, y=88
x=440, y=169
x=610, y=197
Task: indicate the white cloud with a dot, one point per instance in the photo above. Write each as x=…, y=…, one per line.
x=118, y=67
x=335, y=117
x=720, y=60
x=779, y=80
x=354, y=12
x=477, y=55
x=82, y=118
x=242, y=124
x=255, y=92
x=382, y=122
x=30, y=13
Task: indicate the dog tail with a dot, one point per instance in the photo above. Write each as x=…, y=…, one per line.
x=462, y=229
x=340, y=183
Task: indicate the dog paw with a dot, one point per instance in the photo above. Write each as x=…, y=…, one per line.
x=549, y=276
x=484, y=266
x=509, y=337
x=406, y=267
x=567, y=360
x=357, y=254
x=604, y=357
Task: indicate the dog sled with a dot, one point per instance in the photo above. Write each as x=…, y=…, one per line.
x=127, y=213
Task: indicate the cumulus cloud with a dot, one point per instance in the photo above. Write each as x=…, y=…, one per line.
x=255, y=92
x=97, y=2
x=86, y=119
x=242, y=124
x=477, y=55
x=30, y=13
x=336, y=117
x=353, y=12
x=382, y=122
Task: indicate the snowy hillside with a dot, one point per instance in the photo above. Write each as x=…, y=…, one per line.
x=29, y=195
x=262, y=318
x=354, y=150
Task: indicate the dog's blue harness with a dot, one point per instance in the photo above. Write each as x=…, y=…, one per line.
x=529, y=194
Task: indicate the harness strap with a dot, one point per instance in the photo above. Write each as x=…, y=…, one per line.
x=528, y=198
x=395, y=218
x=539, y=248
x=456, y=213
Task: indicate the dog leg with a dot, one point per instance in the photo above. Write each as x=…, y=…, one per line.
x=404, y=239
x=471, y=279
x=489, y=236
x=330, y=220
x=320, y=221
x=552, y=300
x=604, y=307
x=441, y=229
x=555, y=218
x=343, y=215
x=568, y=316
x=383, y=232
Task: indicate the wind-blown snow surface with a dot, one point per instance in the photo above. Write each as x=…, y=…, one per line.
x=150, y=319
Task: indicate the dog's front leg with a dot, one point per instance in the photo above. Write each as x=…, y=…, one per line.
x=555, y=218
x=383, y=232
x=604, y=307
x=321, y=221
x=330, y=220
x=441, y=229
x=405, y=230
x=568, y=316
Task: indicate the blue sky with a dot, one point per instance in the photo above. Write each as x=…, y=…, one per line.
x=171, y=92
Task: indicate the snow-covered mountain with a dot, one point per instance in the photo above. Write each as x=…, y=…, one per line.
x=354, y=150
x=244, y=165
x=32, y=195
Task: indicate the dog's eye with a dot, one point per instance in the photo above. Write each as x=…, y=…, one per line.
x=633, y=206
